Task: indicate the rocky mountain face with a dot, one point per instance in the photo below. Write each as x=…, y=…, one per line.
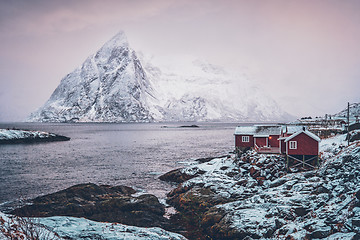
x=118, y=85
x=354, y=110
x=110, y=86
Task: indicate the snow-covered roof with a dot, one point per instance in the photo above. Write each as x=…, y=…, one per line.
x=262, y=130
x=293, y=129
x=245, y=130
x=258, y=130
x=310, y=134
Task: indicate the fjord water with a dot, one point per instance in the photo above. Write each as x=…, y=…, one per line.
x=134, y=155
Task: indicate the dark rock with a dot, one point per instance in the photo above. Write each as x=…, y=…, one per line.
x=190, y=126
x=301, y=211
x=358, y=194
x=178, y=176
x=309, y=174
x=100, y=203
x=260, y=180
x=354, y=136
x=242, y=182
x=278, y=182
x=212, y=217
x=356, y=222
x=208, y=159
x=254, y=172
x=321, y=189
x=34, y=140
x=348, y=158
x=321, y=232
x=192, y=204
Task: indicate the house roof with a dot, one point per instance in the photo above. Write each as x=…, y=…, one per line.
x=245, y=130
x=313, y=136
x=292, y=129
x=267, y=130
x=258, y=130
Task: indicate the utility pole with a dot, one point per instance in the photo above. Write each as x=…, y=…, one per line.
x=348, y=123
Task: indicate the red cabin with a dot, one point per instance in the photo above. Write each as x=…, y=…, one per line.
x=302, y=143
x=264, y=138
x=301, y=148
x=244, y=137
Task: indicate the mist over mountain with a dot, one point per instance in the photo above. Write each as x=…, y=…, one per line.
x=116, y=84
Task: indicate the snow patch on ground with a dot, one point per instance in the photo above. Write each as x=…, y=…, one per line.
x=78, y=228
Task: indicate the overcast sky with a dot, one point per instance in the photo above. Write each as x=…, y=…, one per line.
x=305, y=53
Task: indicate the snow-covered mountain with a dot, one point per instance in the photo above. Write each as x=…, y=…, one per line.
x=354, y=110
x=110, y=86
x=118, y=85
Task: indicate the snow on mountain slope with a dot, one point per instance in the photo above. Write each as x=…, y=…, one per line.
x=194, y=90
x=110, y=86
x=115, y=85
x=353, y=111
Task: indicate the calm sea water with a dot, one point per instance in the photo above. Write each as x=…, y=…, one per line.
x=129, y=154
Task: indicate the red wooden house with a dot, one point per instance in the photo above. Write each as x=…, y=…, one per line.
x=244, y=137
x=264, y=138
x=300, y=146
x=302, y=149
x=287, y=131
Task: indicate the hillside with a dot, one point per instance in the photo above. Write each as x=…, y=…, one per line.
x=254, y=196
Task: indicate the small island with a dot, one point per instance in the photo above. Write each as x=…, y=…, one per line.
x=15, y=136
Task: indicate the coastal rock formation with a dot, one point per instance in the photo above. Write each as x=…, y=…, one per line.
x=9, y=136
x=253, y=196
x=100, y=203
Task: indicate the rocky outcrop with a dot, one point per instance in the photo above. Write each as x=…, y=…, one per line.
x=13, y=136
x=100, y=203
x=175, y=176
x=254, y=197
x=354, y=136
x=180, y=176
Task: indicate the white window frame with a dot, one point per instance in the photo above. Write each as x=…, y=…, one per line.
x=292, y=144
x=245, y=139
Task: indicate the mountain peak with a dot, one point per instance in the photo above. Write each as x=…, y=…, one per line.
x=119, y=40
x=114, y=85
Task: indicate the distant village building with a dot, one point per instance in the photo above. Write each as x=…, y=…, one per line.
x=300, y=146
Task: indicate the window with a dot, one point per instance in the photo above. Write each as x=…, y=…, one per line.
x=245, y=139
x=292, y=145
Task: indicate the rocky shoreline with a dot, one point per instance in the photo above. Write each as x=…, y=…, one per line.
x=252, y=196
x=101, y=203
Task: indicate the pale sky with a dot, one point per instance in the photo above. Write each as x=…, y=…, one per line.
x=305, y=53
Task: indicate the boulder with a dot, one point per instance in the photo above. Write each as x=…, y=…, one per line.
x=320, y=232
x=100, y=203
x=176, y=176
